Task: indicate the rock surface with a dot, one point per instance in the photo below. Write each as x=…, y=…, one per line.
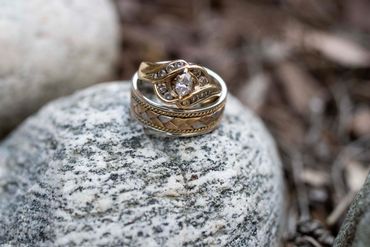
x=51, y=48
x=355, y=230
x=81, y=172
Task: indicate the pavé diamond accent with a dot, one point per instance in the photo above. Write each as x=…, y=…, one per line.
x=162, y=89
x=203, y=80
x=162, y=73
x=168, y=96
x=170, y=67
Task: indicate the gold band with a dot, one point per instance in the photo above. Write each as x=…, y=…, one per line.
x=167, y=117
x=175, y=123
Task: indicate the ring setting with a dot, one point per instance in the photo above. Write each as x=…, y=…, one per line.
x=177, y=98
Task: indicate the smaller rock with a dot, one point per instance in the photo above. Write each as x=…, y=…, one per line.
x=52, y=48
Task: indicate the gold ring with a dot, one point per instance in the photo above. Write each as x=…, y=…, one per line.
x=177, y=98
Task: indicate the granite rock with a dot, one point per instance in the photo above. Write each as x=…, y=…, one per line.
x=355, y=230
x=81, y=172
x=51, y=48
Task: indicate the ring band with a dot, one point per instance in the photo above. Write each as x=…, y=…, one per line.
x=194, y=108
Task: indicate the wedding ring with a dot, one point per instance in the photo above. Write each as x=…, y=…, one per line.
x=177, y=98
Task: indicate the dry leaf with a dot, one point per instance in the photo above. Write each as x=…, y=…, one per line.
x=361, y=122
x=338, y=49
x=254, y=92
x=355, y=174
x=315, y=178
x=301, y=88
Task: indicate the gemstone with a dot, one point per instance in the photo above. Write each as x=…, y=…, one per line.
x=170, y=67
x=179, y=64
x=168, y=96
x=184, y=84
x=162, y=89
x=162, y=73
x=203, y=80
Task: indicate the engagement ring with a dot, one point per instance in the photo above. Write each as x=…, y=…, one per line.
x=177, y=98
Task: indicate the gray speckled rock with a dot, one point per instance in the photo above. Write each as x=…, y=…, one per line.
x=49, y=48
x=81, y=172
x=355, y=230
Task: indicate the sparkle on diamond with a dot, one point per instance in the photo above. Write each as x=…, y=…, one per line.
x=184, y=84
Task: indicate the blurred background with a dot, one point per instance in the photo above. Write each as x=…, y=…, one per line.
x=302, y=66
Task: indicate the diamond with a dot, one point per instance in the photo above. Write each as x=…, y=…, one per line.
x=170, y=67
x=162, y=73
x=203, y=80
x=184, y=84
x=179, y=64
x=168, y=96
x=162, y=89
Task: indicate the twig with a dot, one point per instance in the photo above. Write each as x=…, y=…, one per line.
x=302, y=199
x=340, y=209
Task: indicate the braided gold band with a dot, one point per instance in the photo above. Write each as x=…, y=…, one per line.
x=175, y=123
x=167, y=119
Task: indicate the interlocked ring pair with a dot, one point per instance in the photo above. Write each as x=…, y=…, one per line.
x=177, y=98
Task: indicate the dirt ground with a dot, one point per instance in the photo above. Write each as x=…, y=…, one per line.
x=302, y=66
